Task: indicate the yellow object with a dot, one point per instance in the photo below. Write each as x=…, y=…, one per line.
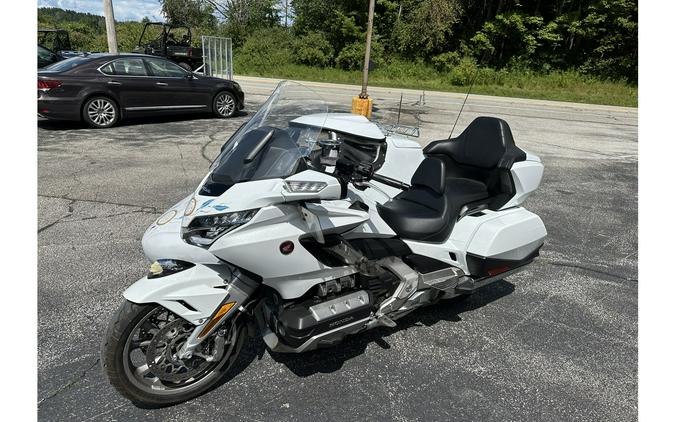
x=362, y=106
x=217, y=317
x=155, y=268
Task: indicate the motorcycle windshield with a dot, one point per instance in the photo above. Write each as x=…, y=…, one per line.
x=270, y=145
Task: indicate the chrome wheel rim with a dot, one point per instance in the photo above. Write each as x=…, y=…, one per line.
x=161, y=322
x=101, y=112
x=225, y=104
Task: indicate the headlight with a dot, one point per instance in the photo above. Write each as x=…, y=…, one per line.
x=304, y=187
x=204, y=230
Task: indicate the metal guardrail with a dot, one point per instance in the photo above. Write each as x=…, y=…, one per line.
x=217, y=56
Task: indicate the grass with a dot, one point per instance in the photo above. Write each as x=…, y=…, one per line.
x=559, y=86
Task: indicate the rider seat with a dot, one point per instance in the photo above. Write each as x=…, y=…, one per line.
x=424, y=211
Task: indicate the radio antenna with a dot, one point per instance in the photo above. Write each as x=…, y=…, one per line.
x=475, y=76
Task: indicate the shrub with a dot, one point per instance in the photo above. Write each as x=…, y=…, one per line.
x=464, y=72
x=266, y=49
x=313, y=49
x=351, y=57
x=444, y=62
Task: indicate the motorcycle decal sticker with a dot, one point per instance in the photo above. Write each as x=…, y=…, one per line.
x=206, y=205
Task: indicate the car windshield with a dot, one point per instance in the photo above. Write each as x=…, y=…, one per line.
x=43, y=52
x=67, y=64
x=271, y=145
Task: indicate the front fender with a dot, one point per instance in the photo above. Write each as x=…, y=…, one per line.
x=194, y=293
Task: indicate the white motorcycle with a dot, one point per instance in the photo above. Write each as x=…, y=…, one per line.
x=311, y=226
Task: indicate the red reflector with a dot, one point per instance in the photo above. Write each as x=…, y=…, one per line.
x=286, y=247
x=44, y=110
x=189, y=52
x=498, y=270
x=48, y=83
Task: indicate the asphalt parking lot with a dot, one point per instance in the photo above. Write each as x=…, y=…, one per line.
x=557, y=342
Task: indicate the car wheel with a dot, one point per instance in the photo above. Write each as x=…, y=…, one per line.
x=100, y=112
x=224, y=104
x=185, y=66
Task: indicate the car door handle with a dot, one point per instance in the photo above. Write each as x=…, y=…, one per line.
x=161, y=83
x=114, y=83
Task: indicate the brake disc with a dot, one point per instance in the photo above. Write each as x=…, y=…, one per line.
x=162, y=358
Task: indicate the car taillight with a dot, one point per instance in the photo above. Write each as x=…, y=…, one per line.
x=47, y=84
x=189, y=52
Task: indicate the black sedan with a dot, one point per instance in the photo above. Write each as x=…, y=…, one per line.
x=101, y=89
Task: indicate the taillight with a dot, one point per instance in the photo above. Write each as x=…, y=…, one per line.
x=189, y=52
x=47, y=84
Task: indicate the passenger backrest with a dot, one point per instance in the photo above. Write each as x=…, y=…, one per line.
x=484, y=151
x=486, y=143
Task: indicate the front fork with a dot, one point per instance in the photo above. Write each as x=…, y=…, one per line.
x=206, y=295
x=227, y=310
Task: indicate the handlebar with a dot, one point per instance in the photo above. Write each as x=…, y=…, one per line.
x=390, y=182
x=357, y=172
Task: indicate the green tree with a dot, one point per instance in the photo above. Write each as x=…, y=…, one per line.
x=242, y=17
x=610, y=39
x=596, y=37
x=425, y=27
x=189, y=12
x=313, y=49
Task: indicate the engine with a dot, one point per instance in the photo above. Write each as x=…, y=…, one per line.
x=328, y=306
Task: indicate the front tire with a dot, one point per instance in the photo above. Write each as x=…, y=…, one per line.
x=224, y=104
x=140, y=335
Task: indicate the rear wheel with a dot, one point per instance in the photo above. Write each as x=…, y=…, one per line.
x=100, y=112
x=139, y=355
x=224, y=104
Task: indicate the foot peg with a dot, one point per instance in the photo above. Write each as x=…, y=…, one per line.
x=446, y=279
x=386, y=321
x=466, y=286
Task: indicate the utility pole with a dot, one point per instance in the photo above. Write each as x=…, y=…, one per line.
x=366, y=60
x=286, y=14
x=110, y=26
x=362, y=104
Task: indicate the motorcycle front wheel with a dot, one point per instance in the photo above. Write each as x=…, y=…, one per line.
x=139, y=355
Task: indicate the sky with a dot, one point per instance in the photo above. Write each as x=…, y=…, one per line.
x=124, y=9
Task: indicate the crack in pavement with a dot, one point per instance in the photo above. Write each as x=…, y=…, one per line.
x=96, y=201
x=186, y=181
x=70, y=383
x=60, y=219
x=95, y=217
x=203, y=150
x=63, y=219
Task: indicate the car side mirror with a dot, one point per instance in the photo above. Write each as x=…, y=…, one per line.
x=189, y=76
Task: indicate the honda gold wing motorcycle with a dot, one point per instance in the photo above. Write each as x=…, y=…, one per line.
x=311, y=226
